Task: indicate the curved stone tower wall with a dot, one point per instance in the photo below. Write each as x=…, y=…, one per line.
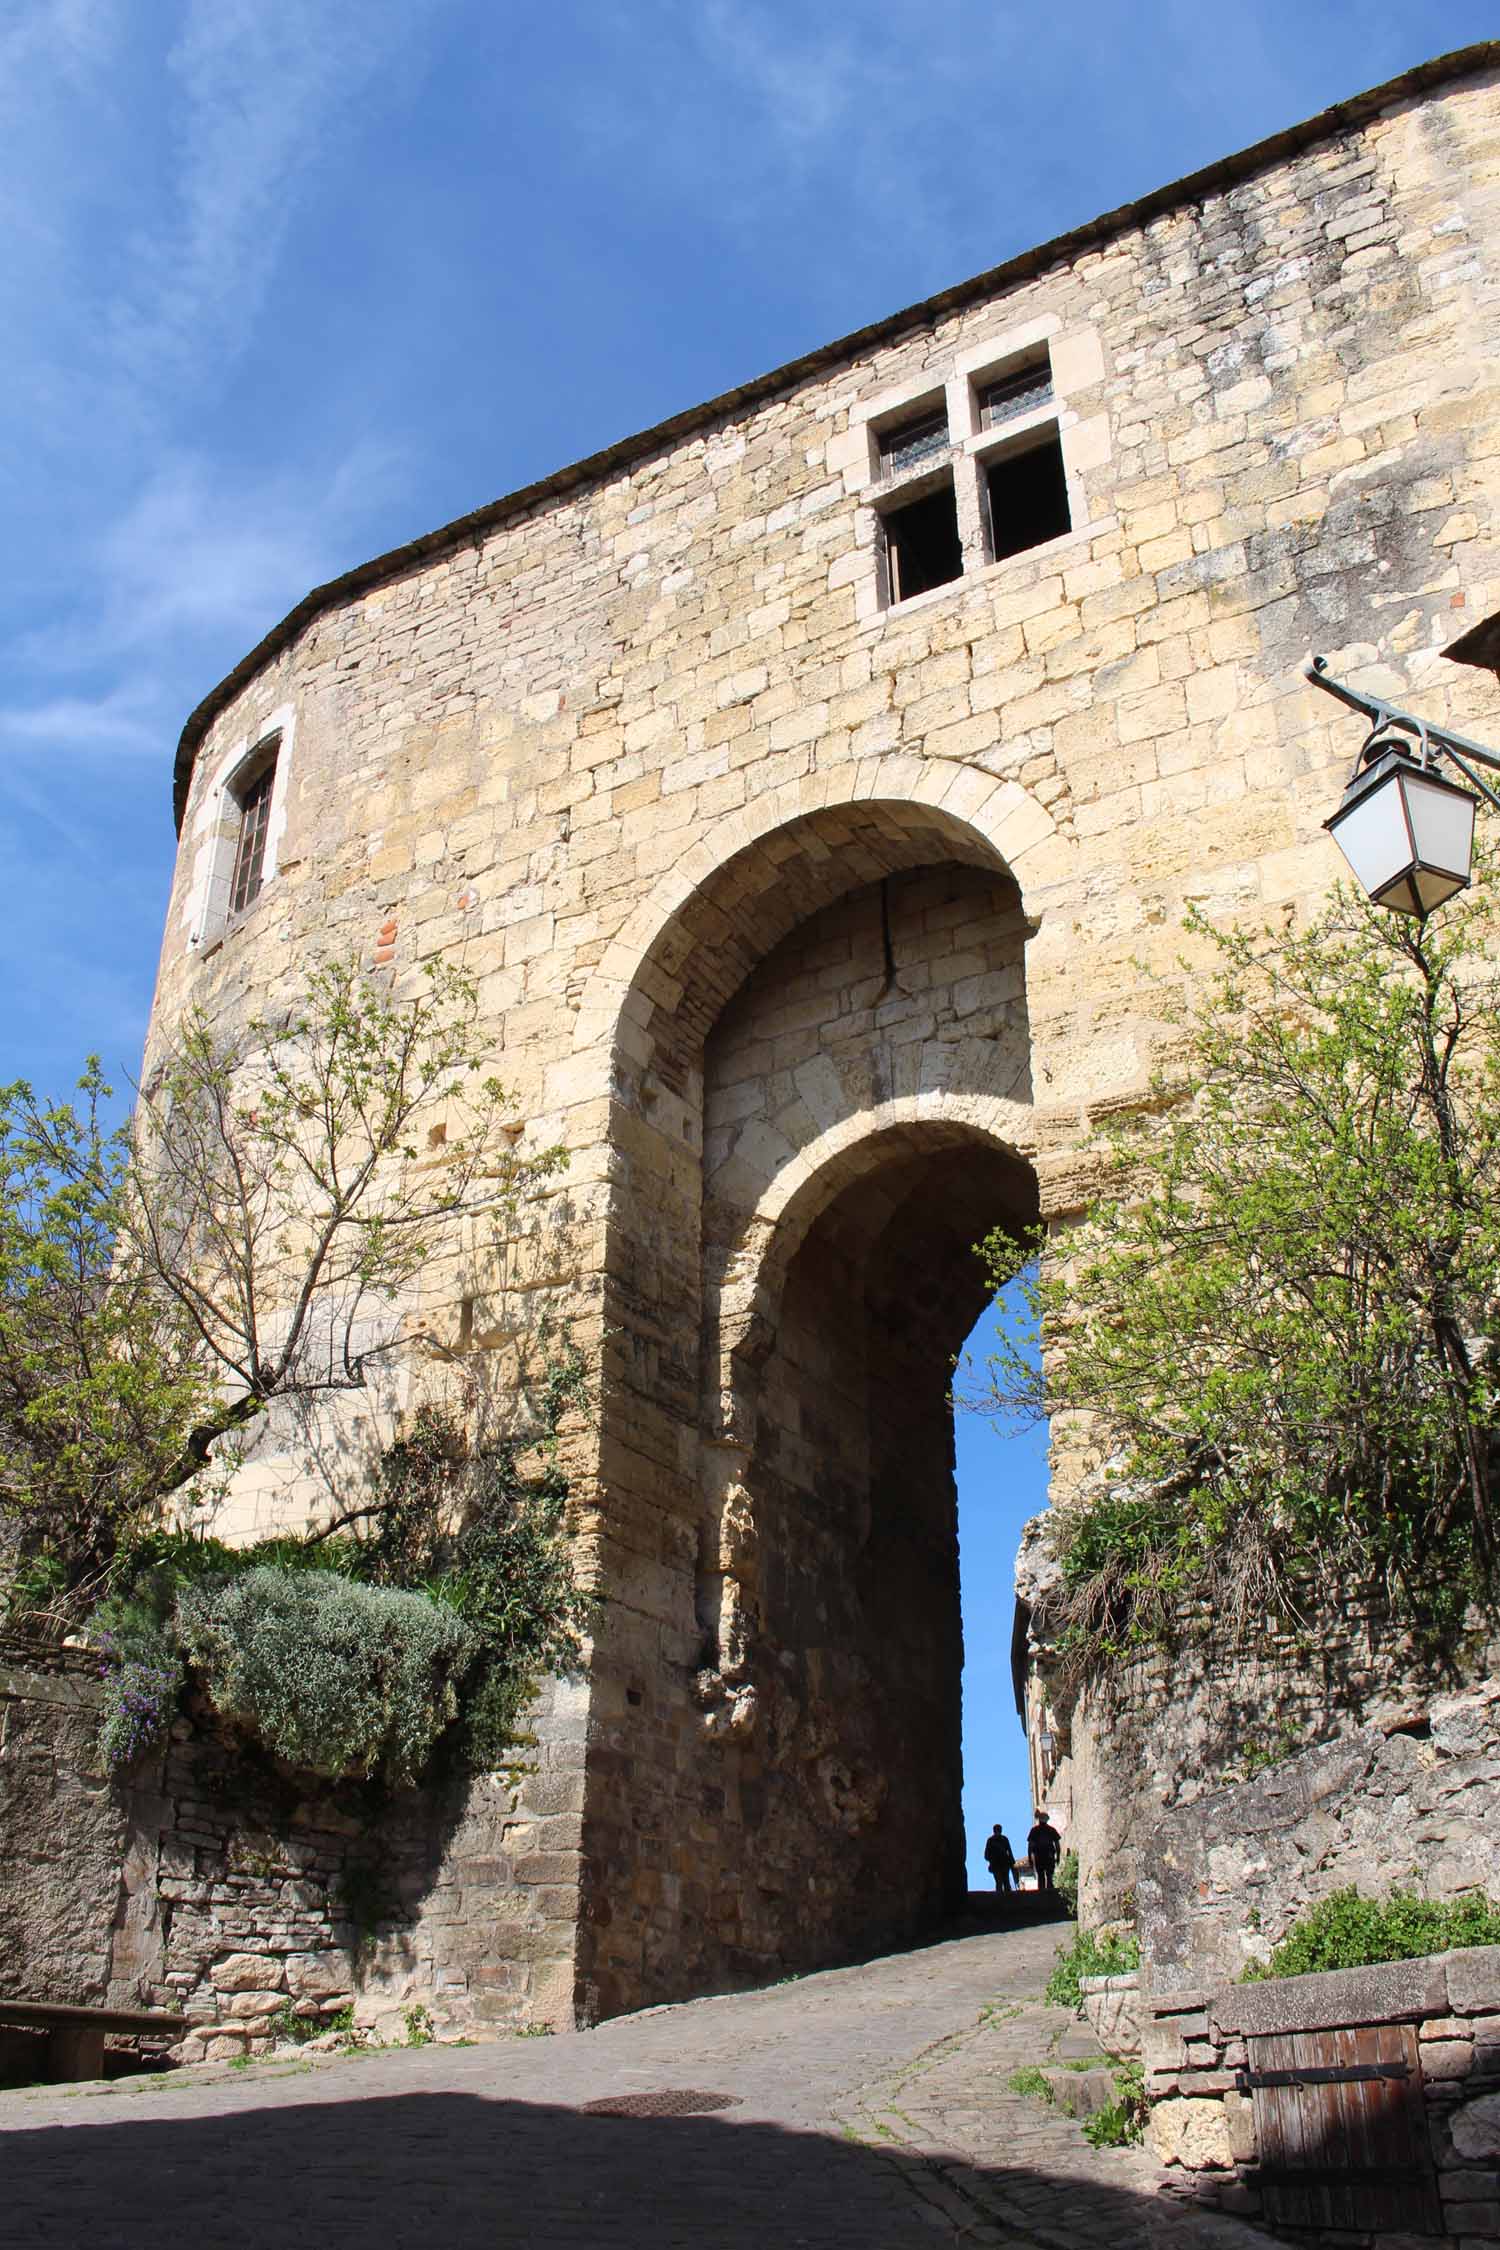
x=823, y=930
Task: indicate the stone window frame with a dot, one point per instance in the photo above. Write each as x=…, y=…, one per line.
x=217, y=827
x=1077, y=363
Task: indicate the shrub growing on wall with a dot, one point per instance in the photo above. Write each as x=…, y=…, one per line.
x=1347, y=1930
x=142, y=1674
x=444, y=1591
x=483, y=1528
x=334, y=1676
x=1281, y=1325
x=244, y=1241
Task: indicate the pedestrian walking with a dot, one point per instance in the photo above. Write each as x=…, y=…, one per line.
x=1044, y=1845
x=1000, y=1859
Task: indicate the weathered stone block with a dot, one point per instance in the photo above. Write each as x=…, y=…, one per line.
x=1112, y=2009
x=1473, y=1976
x=1475, y=2129
x=246, y=1972
x=1392, y=1992
x=314, y=1976
x=250, y=2007
x=1194, y=2134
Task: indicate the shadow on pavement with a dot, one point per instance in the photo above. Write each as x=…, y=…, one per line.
x=451, y=2171
x=1013, y=1910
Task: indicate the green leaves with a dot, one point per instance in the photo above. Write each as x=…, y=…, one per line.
x=1347, y=1930
x=260, y=1232
x=1279, y=1325
x=98, y=1376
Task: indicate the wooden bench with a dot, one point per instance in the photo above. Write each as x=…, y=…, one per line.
x=76, y=2036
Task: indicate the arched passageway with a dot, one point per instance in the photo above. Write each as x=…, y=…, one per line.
x=821, y=1102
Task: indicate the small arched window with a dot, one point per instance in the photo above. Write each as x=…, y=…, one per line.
x=237, y=829
x=253, y=787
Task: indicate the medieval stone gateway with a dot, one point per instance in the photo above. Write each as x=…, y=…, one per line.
x=814, y=785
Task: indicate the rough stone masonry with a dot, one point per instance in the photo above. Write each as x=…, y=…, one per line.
x=814, y=786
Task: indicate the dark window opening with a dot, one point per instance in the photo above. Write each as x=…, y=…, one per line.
x=254, y=799
x=922, y=545
x=1010, y=396
x=913, y=442
x=1026, y=499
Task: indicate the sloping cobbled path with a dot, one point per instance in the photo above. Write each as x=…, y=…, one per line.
x=871, y=2113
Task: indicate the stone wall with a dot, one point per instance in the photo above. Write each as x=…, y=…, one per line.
x=1222, y=1879
x=215, y=1881
x=63, y=1831
x=1203, y=2050
x=823, y=929
x=1178, y=1728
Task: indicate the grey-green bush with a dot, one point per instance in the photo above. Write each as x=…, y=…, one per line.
x=335, y=1677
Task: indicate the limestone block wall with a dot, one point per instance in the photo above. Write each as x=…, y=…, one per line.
x=216, y=1882
x=1180, y=1729
x=62, y=1831
x=644, y=747
x=1413, y=1805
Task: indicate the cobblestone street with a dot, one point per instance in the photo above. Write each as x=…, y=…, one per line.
x=869, y=2109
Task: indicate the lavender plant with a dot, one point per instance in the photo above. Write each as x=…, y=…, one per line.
x=142, y=1675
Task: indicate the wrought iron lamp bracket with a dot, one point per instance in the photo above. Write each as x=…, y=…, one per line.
x=1386, y=719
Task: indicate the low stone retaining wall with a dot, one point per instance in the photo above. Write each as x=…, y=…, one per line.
x=214, y=1881
x=1414, y=1806
x=1232, y=2069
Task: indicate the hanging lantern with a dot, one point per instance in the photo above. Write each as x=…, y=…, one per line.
x=1407, y=832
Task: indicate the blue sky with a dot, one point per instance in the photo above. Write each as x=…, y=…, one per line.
x=288, y=281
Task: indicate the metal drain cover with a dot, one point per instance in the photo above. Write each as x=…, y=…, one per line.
x=671, y=2101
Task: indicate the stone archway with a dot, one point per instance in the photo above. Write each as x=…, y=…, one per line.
x=821, y=1101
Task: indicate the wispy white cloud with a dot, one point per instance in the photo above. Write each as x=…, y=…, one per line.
x=849, y=128
x=65, y=39
x=118, y=720
x=258, y=93
x=191, y=573
x=152, y=164
x=806, y=75
x=203, y=553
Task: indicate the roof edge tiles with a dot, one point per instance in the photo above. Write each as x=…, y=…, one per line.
x=1463, y=62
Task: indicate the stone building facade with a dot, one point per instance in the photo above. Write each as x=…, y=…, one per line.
x=814, y=785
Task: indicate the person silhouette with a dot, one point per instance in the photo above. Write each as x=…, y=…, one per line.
x=999, y=1858
x=1044, y=1845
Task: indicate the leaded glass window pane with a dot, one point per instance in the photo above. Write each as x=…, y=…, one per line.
x=913, y=442
x=250, y=852
x=1014, y=395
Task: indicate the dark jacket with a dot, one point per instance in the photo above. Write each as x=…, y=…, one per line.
x=1044, y=1843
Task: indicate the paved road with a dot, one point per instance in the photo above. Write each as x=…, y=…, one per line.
x=869, y=2111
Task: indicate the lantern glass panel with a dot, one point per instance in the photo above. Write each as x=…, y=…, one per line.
x=1442, y=827
x=1370, y=830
